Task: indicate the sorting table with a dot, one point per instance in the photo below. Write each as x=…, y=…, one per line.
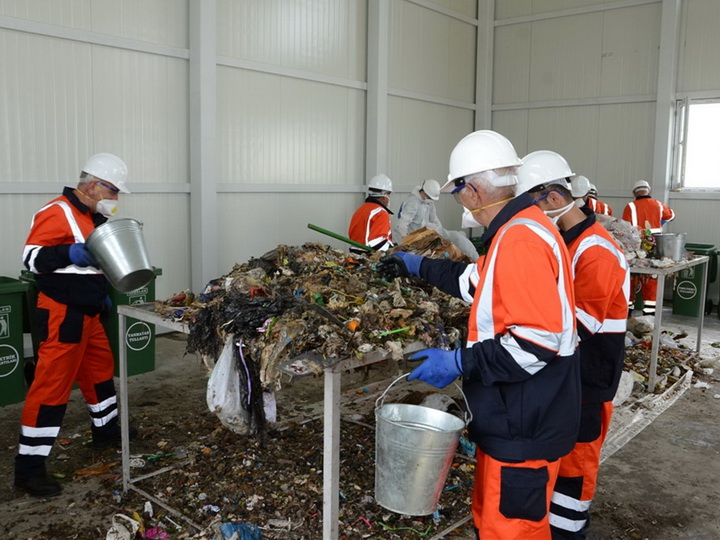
x=331, y=417
x=661, y=273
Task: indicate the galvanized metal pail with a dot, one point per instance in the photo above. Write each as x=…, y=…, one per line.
x=414, y=449
x=119, y=248
x=669, y=245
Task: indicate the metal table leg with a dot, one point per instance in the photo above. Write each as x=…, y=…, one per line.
x=124, y=417
x=652, y=374
x=331, y=456
x=703, y=293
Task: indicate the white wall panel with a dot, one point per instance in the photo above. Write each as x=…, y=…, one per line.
x=625, y=145
x=16, y=212
x=514, y=125
x=254, y=223
x=274, y=129
x=140, y=112
x=463, y=7
x=320, y=36
x=570, y=131
x=511, y=64
x=45, y=113
x=565, y=57
x=159, y=21
x=630, y=48
x=431, y=53
x=420, y=138
x=68, y=13
x=699, y=56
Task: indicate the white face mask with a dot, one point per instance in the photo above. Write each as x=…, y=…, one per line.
x=562, y=211
x=580, y=202
x=468, y=220
x=106, y=207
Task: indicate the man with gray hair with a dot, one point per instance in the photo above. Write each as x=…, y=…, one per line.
x=519, y=366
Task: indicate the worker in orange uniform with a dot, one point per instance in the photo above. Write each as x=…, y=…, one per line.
x=72, y=295
x=520, y=366
x=370, y=224
x=646, y=213
x=595, y=204
x=602, y=287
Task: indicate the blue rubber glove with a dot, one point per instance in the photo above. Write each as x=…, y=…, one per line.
x=400, y=264
x=440, y=369
x=80, y=256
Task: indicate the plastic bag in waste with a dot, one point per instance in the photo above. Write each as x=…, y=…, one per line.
x=235, y=530
x=122, y=528
x=223, y=391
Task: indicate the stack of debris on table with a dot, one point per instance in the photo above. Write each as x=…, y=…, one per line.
x=316, y=300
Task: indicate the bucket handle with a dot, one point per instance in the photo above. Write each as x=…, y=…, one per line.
x=379, y=402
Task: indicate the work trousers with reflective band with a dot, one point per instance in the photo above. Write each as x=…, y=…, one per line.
x=648, y=286
x=511, y=501
x=577, y=479
x=73, y=348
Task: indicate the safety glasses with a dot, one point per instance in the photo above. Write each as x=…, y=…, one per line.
x=109, y=187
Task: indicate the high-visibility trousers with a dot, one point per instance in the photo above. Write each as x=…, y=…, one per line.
x=73, y=348
x=511, y=501
x=648, y=285
x=577, y=479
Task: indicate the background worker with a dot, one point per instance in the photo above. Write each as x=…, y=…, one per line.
x=72, y=295
x=646, y=213
x=418, y=210
x=520, y=367
x=370, y=224
x=602, y=287
x=595, y=204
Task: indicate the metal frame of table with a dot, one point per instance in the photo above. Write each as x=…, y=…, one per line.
x=331, y=418
x=661, y=273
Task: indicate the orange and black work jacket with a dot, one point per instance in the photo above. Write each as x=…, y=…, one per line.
x=521, y=372
x=602, y=287
x=57, y=225
x=599, y=207
x=370, y=225
x=645, y=208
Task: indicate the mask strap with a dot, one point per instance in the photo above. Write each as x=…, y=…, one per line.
x=491, y=205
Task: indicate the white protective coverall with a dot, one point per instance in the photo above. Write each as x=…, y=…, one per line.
x=416, y=213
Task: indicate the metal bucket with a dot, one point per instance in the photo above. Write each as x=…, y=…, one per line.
x=414, y=449
x=670, y=245
x=119, y=248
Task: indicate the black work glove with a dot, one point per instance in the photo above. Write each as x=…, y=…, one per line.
x=399, y=264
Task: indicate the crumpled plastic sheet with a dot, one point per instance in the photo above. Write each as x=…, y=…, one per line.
x=235, y=530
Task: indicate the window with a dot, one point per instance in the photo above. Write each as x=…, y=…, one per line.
x=697, y=144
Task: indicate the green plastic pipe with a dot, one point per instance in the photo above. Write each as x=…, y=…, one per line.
x=339, y=237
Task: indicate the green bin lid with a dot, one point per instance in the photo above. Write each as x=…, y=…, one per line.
x=9, y=285
x=700, y=249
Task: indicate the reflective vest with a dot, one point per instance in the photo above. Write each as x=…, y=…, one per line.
x=599, y=207
x=370, y=225
x=645, y=208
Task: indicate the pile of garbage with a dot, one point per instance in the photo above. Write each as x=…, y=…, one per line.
x=319, y=301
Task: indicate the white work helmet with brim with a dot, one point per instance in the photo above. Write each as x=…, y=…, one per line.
x=481, y=151
x=580, y=186
x=641, y=184
x=110, y=168
x=541, y=169
x=380, y=184
x=431, y=189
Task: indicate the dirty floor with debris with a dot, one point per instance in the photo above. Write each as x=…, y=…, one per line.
x=662, y=484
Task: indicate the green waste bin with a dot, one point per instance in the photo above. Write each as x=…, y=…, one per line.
x=688, y=283
x=12, y=307
x=139, y=335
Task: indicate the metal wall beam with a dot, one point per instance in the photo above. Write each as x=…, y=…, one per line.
x=484, y=64
x=378, y=45
x=203, y=192
x=665, y=106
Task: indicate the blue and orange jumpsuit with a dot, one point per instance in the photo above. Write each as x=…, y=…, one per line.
x=521, y=370
x=73, y=343
x=602, y=286
x=370, y=225
x=643, y=211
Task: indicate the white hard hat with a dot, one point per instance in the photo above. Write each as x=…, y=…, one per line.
x=593, y=190
x=481, y=151
x=542, y=168
x=431, y=189
x=380, y=182
x=641, y=184
x=108, y=167
x=580, y=186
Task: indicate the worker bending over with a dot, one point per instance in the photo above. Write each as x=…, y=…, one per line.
x=72, y=295
x=370, y=224
x=646, y=213
x=520, y=366
x=602, y=287
x=418, y=210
